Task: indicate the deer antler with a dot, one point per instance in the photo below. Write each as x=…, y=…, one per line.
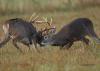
x=51, y=29
x=46, y=21
x=49, y=23
x=33, y=16
x=33, y=19
x=46, y=30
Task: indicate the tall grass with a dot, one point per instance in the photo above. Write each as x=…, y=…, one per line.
x=77, y=58
x=28, y=6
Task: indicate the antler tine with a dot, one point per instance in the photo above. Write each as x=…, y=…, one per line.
x=52, y=25
x=51, y=28
x=47, y=21
x=35, y=18
x=32, y=16
x=39, y=21
x=51, y=22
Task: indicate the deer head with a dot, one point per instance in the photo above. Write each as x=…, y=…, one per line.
x=45, y=32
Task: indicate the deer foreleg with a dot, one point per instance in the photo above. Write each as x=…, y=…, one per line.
x=15, y=44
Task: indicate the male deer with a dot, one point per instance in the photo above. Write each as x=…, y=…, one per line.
x=19, y=30
x=77, y=30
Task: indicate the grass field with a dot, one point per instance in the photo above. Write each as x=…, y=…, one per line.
x=77, y=58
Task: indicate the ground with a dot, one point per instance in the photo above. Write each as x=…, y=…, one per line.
x=78, y=58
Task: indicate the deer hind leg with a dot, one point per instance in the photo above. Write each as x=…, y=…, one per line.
x=91, y=44
x=4, y=40
x=6, y=37
x=15, y=44
x=85, y=40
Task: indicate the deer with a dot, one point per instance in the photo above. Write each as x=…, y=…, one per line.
x=19, y=30
x=77, y=30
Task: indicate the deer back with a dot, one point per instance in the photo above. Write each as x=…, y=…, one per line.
x=20, y=28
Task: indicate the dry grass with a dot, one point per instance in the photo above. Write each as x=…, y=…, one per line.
x=28, y=6
x=78, y=58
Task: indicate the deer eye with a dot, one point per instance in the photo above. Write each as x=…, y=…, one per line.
x=45, y=37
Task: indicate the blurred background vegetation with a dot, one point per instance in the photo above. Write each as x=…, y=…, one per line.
x=78, y=58
x=29, y=6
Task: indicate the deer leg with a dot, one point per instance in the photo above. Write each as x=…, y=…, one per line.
x=4, y=40
x=26, y=44
x=35, y=44
x=15, y=44
x=85, y=40
x=67, y=46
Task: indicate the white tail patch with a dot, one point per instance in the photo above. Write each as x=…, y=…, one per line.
x=6, y=28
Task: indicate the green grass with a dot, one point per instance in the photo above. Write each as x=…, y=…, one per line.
x=77, y=58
